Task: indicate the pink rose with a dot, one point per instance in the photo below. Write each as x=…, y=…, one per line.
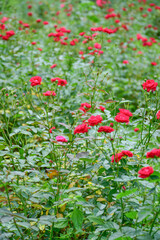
x=61, y=139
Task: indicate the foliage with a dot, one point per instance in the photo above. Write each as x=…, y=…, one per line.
x=85, y=183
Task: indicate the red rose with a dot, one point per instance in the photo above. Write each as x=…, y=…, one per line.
x=55, y=79
x=117, y=157
x=100, y=3
x=83, y=128
x=81, y=33
x=150, y=85
x=86, y=105
x=127, y=153
x=49, y=93
x=10, y=33
x=125, y=112
x=145, y=172
x=153, y=153
x=102, y=108
x=33, y=43
x=61, y=82
x=30, y=13
x=45, y=23
x=50, y=130
x=136, y=129
x=122, y=118
x=125, y=61
x=158, y=114
x=97, y=45
x=95, y=120
x=53, y=66
x=35, y=81
x=61, y=139
x=105, y=129
x=40, y=49
x=153, y=63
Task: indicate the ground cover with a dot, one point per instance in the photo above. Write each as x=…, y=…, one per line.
x=79, y=120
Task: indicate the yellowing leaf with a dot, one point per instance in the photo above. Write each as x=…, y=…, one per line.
x=110, y=101
x=101, y=200
x=63, y=207
x=32, y=223
x=2, y=199
x=98, y=192
x=71, y=185
x=90, y=183
x=42, y=227
x=52, y=173
x=90, y=197
x=59, y=215
x=35, y=205
x=47, y=212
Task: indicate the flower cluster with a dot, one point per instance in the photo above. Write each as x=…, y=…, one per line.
x=61, y=82
x=85, y=107
x=49, y=93
x=117, y=157
x=8, y=34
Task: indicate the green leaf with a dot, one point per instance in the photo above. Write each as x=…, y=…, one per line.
x=2, y=146
x=77, y=218
x=93, y=18
x=115, y=236
x=126, y=193
x=132, y=215
x=24, y=224
x=61, y=223
x=46, y=151
x=96, y=220
x=107, y=226
x=143, y=214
